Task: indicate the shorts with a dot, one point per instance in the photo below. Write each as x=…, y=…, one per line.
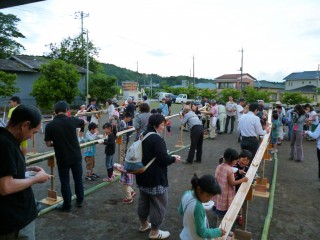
x=274, y=140
x=90, y=162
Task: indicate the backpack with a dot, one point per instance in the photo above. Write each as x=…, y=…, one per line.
x=133, y=159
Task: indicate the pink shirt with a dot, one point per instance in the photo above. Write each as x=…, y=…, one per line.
x=223, y=201
x=214, y=111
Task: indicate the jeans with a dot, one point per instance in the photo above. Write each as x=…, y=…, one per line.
x=233, y=118
x=109, y=161
x=64, y=175
x=26, y=233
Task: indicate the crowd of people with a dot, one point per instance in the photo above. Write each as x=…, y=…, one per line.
x=211, y=118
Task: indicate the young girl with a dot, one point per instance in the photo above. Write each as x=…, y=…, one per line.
x=195, y=222
x=109, y=150
x=126, y=179
x=225, y=177
x=168, y=127
x=275, y=131
x=95, y=117
x=89, y=153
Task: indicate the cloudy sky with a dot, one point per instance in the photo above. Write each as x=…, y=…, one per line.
x=162, y=36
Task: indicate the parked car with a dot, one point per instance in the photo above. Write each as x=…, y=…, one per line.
x=173, y=98
x=183, y=98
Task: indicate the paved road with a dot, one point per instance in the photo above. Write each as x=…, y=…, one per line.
x=104, y=216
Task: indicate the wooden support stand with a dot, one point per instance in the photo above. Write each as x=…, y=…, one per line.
x=266, y=155
x=241, y=235
x=180, y=143
x=260, y=187
x=52, y=198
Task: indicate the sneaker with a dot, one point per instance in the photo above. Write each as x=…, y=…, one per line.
x=127, y=200
x=63, y=209
x=95, y=175
x=79, y=204
x=161, y=235
x=89, y=178
x=186, y=162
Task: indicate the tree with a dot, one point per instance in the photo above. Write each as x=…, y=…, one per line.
x=227, y=92
x=58, y=81
x=8, y=33
x=252, y=95
x=73, y=50
x=292, y=98
x=210, y=93
x=102, y=86
x=7, y=84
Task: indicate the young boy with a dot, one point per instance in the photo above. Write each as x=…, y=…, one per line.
x=242, y=167
x=275, y=131
x=89, y=153
x=126, y=179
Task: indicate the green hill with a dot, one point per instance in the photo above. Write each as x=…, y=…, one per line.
x=123, y=74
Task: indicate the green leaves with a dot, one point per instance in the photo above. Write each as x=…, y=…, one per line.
x=8, y=35
x=7, y=84
x=58, y=81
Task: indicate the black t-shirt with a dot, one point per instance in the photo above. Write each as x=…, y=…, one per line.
x=62, y=132
x=169, y=103
x=130, y=108
x=18, y=209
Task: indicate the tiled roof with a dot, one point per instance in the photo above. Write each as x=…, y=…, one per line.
x=267, y=84
x=33, y=62
x=14, y=66
x=306, y=75
x=234, y=76
x=28, y=63
x=304, y=89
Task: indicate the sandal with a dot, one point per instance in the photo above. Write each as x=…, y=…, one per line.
x=161, y=235
x=141, y=229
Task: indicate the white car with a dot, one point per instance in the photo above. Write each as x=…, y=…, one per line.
x=182, y=98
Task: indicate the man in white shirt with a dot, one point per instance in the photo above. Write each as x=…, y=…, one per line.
x=250, y=129
x=231, y=108
x=240, y=108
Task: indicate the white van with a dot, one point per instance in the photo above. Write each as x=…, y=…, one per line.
x=182, y=98
x=163, y=95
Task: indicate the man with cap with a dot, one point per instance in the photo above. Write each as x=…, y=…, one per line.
x=61, y=134
x=196, y=134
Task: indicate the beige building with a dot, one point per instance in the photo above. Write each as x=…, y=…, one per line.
x=234, y=81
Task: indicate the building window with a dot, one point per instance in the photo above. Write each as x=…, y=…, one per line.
x=302, y=82
x=226, y=85
x=309, y=82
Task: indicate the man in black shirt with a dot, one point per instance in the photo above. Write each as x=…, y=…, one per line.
x=61, y=134
x=17, y=203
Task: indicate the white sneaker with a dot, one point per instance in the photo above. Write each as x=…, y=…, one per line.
x=161, y=235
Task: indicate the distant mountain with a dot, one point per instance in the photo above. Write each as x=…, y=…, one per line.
x=123, y=74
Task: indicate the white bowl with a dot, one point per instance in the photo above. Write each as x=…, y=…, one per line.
x=29, y=174
x=208, y=205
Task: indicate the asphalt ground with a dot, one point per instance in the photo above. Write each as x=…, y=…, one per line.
x=104, y=216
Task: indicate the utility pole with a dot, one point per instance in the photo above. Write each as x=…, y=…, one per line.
x=81, y=15
x=194, y=82
x=318, y=76
x=241, y=69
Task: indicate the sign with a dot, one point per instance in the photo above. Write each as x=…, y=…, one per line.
x=130, y=86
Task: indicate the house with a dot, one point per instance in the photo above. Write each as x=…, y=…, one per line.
x=27, y=70
x=235, y=81
x=304, y=82
x=274, y=88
